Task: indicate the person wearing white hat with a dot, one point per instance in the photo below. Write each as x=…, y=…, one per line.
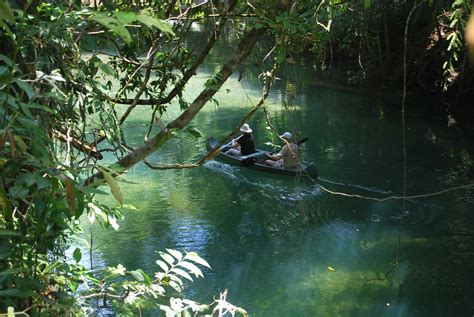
x=245, y=144
x=288, y=156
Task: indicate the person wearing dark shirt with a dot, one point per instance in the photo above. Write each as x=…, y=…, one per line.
x=245, y=144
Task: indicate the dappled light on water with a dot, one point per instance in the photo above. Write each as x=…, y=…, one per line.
x=281, y=245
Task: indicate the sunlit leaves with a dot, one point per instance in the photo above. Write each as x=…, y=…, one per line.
x=49, y=85
x=135, y=285
x=117, y=23
x=51, y=78
x=113, y=184
x=162, y=265
x=106, y=216
x=469, y=36
x=140, y=276
x=191, y=268
x=149, y=20
x=175, y=285
x=112, y=220
x=193, y=256
x=457, y=23
x=119, y=270
x=114, y=25
x=178, y=255
x=168, y=258
x=6, y=12
x=182, y=273
x=178, y=266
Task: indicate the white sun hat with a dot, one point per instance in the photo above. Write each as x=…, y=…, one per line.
x=245, y=128
x=287, y=136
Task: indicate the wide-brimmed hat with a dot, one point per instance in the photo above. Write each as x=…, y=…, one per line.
x=287, y=136
x=245, y=128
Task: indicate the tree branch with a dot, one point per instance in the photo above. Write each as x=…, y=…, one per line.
x=210, y=43
x=244, y=48
x=78, y=144
x=213, y=152
x=241, y=52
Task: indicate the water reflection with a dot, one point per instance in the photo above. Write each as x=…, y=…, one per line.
x=272, y=240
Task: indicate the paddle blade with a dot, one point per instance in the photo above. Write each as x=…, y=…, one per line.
x=302, y=141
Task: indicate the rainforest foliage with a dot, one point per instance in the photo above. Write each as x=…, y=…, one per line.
x=72, y=72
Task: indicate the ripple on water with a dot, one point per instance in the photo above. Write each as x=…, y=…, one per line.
x=226, y=169
x=191, y=235
x=286, y=190
x=368, y=189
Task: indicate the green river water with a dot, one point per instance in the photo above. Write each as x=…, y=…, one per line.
x=282, y=246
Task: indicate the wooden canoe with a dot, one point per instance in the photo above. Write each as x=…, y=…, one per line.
x=256, y=161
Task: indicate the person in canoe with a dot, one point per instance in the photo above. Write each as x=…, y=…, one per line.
x=289, y=155
x=245, y=144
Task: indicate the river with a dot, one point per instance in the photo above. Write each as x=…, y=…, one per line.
x=281, y=245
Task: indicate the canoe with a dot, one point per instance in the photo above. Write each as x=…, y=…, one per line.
x=256, y=161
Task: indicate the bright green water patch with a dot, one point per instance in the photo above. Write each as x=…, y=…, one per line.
x=281, y=246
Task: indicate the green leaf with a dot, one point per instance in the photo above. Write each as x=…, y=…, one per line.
x=129, y=207
x=10, y=233
x=77, y=255
x=6, y=13
x=7, y=60
x=113, y=184
x=114, y=25
x=107, y=69
x=4, y=70
x=195, y=132
x=138, y=276
x=38, y=106
x=92, y=190
x=119, y=270
x=145, y=276
x=151, y=21
x=20, y=143
x=126, y=17
x=2, y=162
x=26, y=88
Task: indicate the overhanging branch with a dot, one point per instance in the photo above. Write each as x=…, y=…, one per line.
x=244, y=48
x=78, y=144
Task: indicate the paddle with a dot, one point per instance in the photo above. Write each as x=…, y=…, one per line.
x=302, y=141
x=252, y=160
x=230, y=143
